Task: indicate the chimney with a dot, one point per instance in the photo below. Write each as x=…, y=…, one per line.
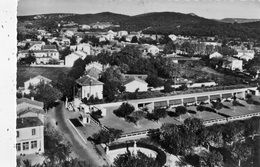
x=32, y=98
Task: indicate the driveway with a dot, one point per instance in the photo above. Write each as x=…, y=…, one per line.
x=83, y=151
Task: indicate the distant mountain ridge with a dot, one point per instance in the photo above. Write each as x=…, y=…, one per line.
x=155, y=23
x=238, y=20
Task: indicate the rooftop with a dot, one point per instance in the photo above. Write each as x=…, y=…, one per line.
x=88, y=81
x=29, y=101
x=41, y=78
x=131, y=79
x=28, y=122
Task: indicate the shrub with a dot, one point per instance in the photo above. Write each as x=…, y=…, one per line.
x=191, y=111
x=161, y=156
x=173, y=114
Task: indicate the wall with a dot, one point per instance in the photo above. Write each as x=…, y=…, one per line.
x=92, y=90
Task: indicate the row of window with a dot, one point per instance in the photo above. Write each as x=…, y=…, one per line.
x=33, y=133
x=26, y=145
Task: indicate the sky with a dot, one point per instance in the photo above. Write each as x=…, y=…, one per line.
x=214, y=9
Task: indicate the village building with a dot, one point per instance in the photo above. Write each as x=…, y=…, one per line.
x=89, y=86
x=29, y=136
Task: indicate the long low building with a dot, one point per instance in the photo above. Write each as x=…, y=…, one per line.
x=176, y=100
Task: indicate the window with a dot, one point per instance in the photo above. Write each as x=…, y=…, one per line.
x=33, y=132
x=17, y=134
x=88, y=94
x=18, y=147
x=96, y=94
x=26, y=146
x=33, y=144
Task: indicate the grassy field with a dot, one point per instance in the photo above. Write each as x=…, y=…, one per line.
x=24, y=73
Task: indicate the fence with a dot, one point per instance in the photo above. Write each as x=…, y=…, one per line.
x=233, y=118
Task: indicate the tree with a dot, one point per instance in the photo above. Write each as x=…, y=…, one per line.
x=113, y=80
x=124, y=110
x=154, y=81
x=134, y=39
x=167, y=86
x=73, y=40
x=217, y=105
x=56, y=151
x=169, y=48
x=249, y=100
x=30, y=59
x=235, y=103
x=107, y=136
x=194, y=127
x=159, y=113
x=211, y=159
x=175, y=139
x=136, y=116
x=241, y=151
x=66, y=85
x=65, y=52
x=139, y=160
x=213, y=136
x=181, y=110
x=47, y=94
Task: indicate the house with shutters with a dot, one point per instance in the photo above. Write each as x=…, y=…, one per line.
x=29, y=136
x=89, y=86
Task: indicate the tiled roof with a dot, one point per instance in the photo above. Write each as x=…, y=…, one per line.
x=38, y=51
x=29, y=101
x=28, y=122
x=93, y=72
x=30, y=110
x=134, y=79
x=41, y=78
x=88, y=81
x=44, y=47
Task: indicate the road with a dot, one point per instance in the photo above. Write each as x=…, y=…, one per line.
x=83, y=151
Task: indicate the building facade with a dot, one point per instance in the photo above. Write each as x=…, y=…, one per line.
x=29, y=136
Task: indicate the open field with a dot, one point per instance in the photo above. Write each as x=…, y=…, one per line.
x=24, y=73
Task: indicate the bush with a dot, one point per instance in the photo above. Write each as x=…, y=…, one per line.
x=210, y=109
x=191, y=111
x=161, y=156
x=173, y=114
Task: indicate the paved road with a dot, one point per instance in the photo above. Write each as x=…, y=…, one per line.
x=82, y=150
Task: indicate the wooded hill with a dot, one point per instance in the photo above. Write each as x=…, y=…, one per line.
x=156, y=23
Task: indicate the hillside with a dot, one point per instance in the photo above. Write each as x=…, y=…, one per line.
x=156, y=23
x=238, y=20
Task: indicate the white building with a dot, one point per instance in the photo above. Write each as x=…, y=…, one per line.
x=71, y=58
x=41, y=56
x=89, y=86
x=215, y=55
x=36, y=81
x=85, y=47
x=122, y=33
x=172, y=37
x=134, y=83
x=29, y=136
x=245, y=54
x=233, y=63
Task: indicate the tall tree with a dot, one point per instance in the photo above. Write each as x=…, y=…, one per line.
x=48, y=94
x=107, y=136
x=181, y=110
x=113, y=80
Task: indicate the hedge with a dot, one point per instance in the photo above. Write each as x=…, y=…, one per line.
x=161, y=156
